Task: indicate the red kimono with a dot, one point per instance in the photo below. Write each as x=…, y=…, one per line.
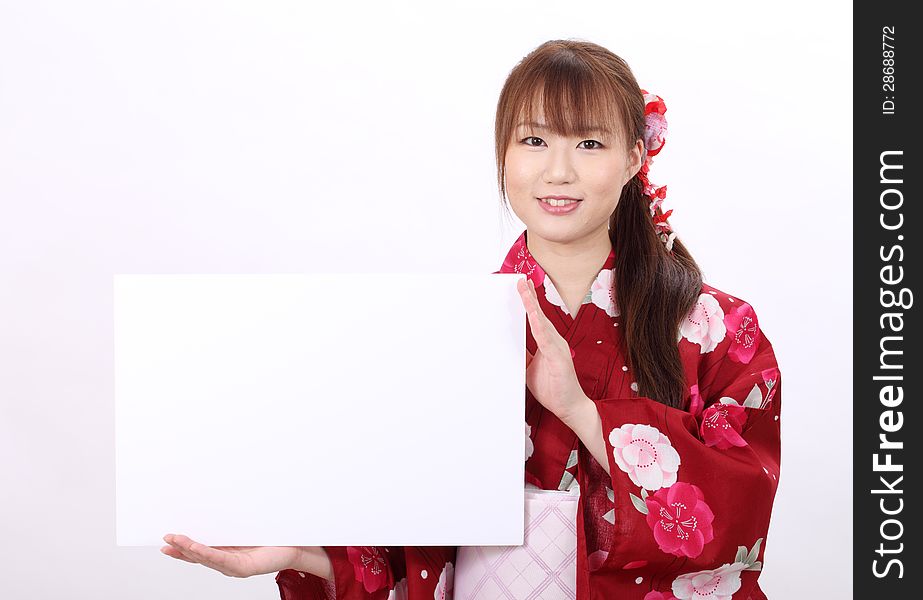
x=685, y=510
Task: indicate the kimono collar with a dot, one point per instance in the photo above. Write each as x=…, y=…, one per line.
x=520, y=260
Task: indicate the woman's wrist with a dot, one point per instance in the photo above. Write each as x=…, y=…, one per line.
x=313, y=560
x=587, y=424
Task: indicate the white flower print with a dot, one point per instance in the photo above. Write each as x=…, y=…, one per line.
x=645, y=454
x=552, y=295
x=704, y=324
x=530, y=447
x=602, y=292
x=446, y=584
x=714, y=584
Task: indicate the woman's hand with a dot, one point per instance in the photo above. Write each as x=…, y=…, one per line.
x=233, y=561
x=550, y=374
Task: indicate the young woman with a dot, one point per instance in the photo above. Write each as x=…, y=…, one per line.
x=652, y=398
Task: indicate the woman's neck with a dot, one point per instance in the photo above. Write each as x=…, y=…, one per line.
x=572, y=266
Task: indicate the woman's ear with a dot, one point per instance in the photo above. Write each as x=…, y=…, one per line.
x=635, y=158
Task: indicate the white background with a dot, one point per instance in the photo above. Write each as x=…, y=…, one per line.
x=233, y=137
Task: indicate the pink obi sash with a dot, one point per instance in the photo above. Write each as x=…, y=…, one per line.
x=545, y=566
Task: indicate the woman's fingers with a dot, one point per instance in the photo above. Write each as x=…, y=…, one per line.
x=529, y=300
x=200, y=553
x=538, y=322
x=174, y=553
x=178, y=545
x=175, y=549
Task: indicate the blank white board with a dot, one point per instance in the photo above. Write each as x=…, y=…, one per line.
x=320, y=409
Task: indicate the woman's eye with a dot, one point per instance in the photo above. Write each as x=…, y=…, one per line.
x=531, y=137
x=596, y=147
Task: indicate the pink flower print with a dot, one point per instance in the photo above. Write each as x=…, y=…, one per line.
x=704, y=324
x=715, y=584
x=370, y=567
x=520, y=260
x=530, y=447
x=659, y=596
x=446, y=584
x=745, y=333
x=680, y=519
x=770, y=378
x=645, y=454
x=601, y=291
x=596, y=560
x=695, y=401
x=722, y=424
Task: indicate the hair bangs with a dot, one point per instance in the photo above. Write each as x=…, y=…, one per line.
x=571, y=104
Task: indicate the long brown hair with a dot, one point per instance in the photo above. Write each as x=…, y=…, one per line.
x=581, y=85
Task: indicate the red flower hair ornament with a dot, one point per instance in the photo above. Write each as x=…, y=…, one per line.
x=655, y=133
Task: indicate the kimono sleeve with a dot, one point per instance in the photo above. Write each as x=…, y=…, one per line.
x=694, y=489
x=376, y=573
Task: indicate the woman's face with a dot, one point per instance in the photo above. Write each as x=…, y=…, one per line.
x=591, y=169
